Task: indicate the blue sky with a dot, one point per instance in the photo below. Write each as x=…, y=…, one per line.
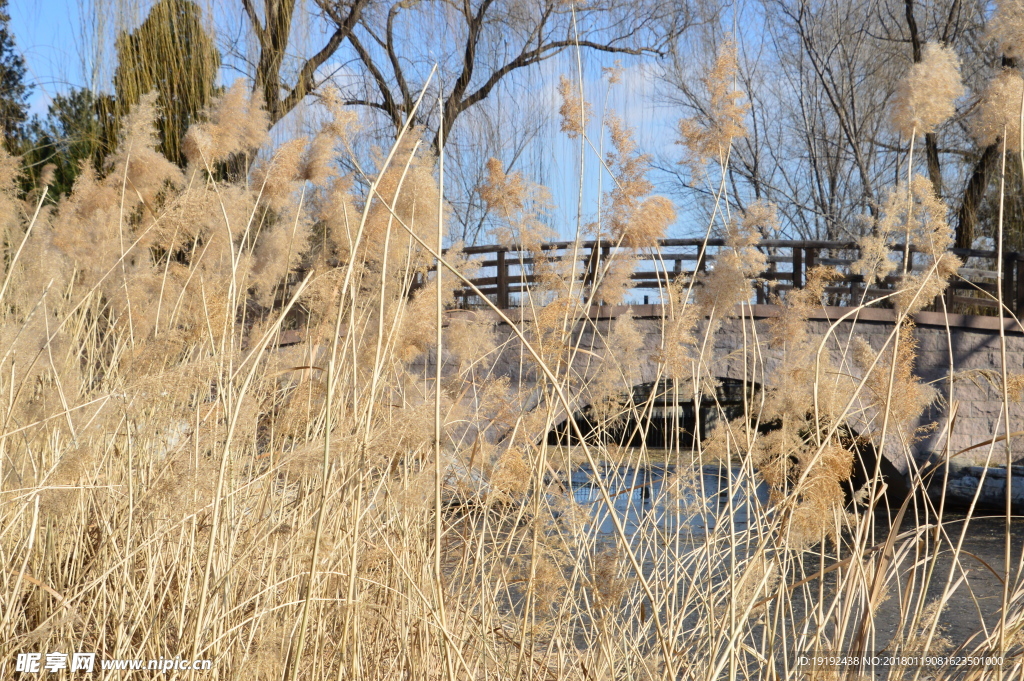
x=49, y=35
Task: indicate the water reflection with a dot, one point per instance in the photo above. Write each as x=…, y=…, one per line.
x=655, y=497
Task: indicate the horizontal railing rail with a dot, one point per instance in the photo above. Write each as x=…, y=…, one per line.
x=506, y=274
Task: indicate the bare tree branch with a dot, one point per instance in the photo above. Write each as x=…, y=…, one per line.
x=273, y=34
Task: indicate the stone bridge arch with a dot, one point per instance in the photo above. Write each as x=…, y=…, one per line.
x=970, y=342
x=660, y=415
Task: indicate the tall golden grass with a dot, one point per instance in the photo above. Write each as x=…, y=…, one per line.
x=379, y=501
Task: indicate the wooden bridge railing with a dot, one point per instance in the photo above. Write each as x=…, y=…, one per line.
x=507, y=274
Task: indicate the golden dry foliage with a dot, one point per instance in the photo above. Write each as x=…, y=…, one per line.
x=789, y=329
x=521, y=205
x=805, y=479
x=806, y=389
x=608, y=584
x=145, y=170
x=916, y=217
x=225, y=437
x=1006, y=28
x=631, y=219
x=471, y=339
x=909, y=395
x=619, y=369
x=575, y=111
x=634, y=220
x=1015, y=386
x=876, y=258
x=709, y=139
x=803, y=459
x=920, y=220
x=729, y=283
x=679, y=334
x=998, y=117
x=926, y=97
x=235, y=123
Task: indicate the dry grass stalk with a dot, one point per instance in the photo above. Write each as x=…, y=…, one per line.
x=173, y=481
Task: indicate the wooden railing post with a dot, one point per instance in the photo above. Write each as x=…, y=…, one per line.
x=590, y=273
x=798, y=266
x=1009, y=265
x=502, y=300
x=1020, y=285
x=810, y=261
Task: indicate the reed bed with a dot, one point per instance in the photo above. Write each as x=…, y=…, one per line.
x=378, y=500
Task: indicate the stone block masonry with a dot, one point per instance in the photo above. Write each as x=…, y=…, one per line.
x=973, y=385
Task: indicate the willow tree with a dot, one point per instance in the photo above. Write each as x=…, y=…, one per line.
x=172, y=53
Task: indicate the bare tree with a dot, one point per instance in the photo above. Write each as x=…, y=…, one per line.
x=820, y=75
x=818, y=93
x=382, y=51
x=477, y=44
x=272, y=27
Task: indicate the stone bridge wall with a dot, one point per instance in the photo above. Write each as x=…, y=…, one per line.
x=973, y=340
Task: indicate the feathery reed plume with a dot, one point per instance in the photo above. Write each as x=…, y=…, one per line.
x=736, y=265
x=926, y=96
x=137, y=160
x=922, y=223
x=520, y=204
x=286, y=233
x=1006, y=28
x=910, y=396
x=633, y=220
x=679, y=334
x=875, y=262
x=620, y=366
x=998, y=117
x=471, y=340
x=235, y=122
x=709, y=137
x=47, y=174
x=575, y=111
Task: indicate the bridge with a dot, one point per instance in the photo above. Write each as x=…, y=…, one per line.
x=962, y=324
x=507, y=272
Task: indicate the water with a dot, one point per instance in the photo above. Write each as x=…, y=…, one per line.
x=643, y=502
x=649, y=498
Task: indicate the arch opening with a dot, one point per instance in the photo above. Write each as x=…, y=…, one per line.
x=659, y=415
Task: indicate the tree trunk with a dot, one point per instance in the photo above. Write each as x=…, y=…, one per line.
x=974, y=194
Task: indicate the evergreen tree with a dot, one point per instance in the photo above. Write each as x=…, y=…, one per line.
x=79, y=127
x=14, y=91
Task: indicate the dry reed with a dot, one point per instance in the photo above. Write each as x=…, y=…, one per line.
x=179, y=481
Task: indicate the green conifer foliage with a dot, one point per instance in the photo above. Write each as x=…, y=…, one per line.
x=14, y=91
